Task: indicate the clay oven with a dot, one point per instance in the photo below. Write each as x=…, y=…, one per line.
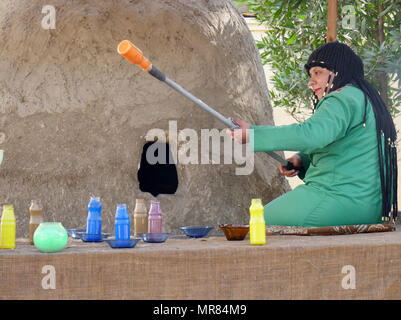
x=75, y=114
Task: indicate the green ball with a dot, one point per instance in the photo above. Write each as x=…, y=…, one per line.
x=50, y=237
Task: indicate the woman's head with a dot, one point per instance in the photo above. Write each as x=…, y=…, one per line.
x=338, y=63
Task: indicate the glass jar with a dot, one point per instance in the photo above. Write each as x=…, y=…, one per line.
x=50, y=237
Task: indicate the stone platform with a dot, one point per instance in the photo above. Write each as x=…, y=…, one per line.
x=357, y=266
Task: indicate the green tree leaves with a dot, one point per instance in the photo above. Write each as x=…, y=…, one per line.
x=297, y=27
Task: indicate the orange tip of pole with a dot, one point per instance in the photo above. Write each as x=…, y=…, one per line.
x=127, y=49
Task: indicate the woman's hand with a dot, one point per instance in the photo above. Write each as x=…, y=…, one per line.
x=241, y=135
x=296, y=161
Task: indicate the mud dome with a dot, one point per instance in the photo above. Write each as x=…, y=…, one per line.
x=74, y=113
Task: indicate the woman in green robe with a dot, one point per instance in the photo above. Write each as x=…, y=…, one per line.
x=347, y=151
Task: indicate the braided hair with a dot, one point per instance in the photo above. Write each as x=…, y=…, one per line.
x=347, y=68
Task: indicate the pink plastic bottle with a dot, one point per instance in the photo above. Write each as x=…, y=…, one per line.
x=155, y=217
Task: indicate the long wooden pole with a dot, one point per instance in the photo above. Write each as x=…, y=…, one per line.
x=331, y=21
x=380, y=40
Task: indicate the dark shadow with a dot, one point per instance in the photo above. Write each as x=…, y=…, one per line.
x=160, y=177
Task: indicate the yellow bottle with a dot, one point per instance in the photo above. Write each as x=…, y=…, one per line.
x=7, y=227
x=257, y=222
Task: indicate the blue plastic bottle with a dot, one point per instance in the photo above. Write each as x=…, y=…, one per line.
x=94, y=221
x=122, y=225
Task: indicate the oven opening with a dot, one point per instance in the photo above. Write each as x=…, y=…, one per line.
x=156, y=174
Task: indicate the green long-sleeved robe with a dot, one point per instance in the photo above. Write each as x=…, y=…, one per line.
x=342, y=180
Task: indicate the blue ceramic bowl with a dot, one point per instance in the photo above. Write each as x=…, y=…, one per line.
x=196, y=231
x=75, y=233
x=85, y=237
x=154, y=237
x=122, y=243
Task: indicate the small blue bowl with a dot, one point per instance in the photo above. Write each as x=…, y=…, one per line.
x=85, y=237
x=196, y=231
x=75, y=233
x=154, y=237
x=122, y=243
